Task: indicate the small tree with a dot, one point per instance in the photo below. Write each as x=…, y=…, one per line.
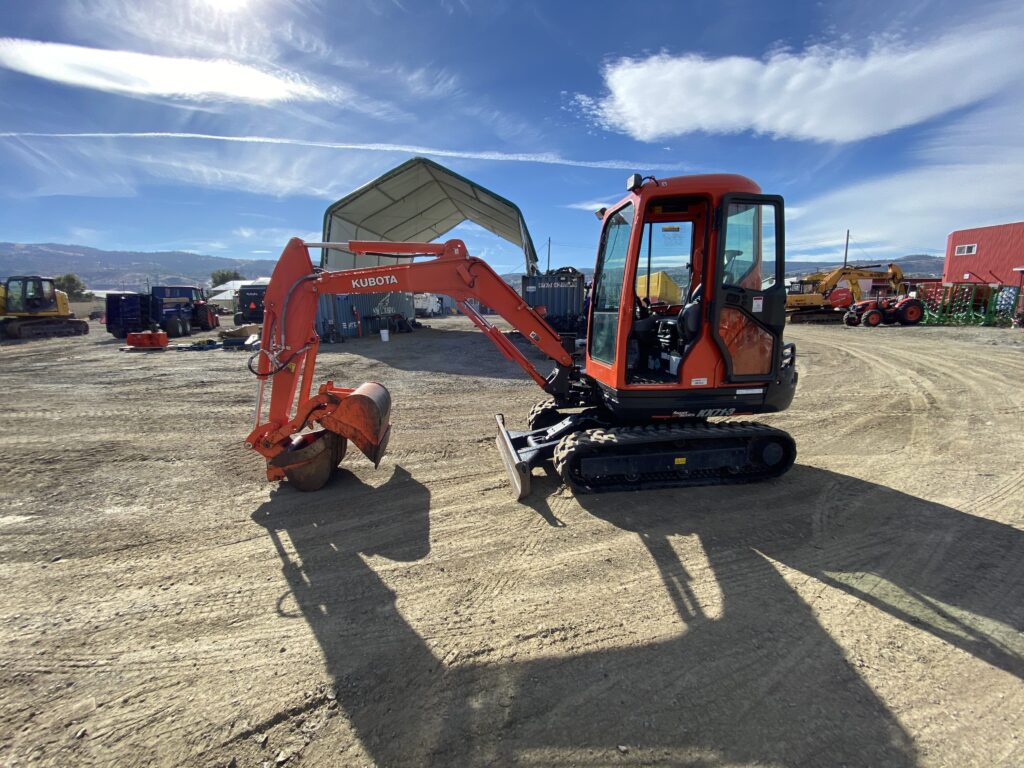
x=73, y=286
x=221, y=276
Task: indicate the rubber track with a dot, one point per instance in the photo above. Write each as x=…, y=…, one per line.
x=579, y=445
x=543, y=413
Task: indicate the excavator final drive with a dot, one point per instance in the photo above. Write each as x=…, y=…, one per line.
x=636, y=414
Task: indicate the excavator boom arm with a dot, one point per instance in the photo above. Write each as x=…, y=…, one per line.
x=289, y=343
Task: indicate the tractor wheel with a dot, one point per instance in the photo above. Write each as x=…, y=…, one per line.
x=851, y=319
x=118, y=332
x=239, y=319
x=186, y=327
x=872, y=318
x=910, y=313
x=543, y=415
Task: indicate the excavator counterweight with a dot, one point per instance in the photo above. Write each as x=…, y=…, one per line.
x=638, y=412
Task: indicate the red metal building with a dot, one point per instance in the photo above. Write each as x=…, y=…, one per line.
x=985, y=255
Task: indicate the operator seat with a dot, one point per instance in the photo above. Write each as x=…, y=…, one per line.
x=644, y=332
x=689, y=318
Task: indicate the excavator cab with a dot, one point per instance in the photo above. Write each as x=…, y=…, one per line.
x=688, y=307
x=30, y=295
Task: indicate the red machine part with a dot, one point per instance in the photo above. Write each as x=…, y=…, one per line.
x=840, y=298
x=289, y=345
x=147, y=339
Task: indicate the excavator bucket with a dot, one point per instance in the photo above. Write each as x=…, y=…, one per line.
x=363, y=417
x=311, y=458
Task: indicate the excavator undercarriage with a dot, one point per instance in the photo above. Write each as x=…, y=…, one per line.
x=592, y=457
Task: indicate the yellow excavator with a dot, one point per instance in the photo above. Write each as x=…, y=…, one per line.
x=31, y=307
x=825, y=296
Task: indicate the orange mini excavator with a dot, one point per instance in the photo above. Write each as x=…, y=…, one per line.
x=637, y=413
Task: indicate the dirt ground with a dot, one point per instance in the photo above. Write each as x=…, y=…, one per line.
x=163, y=604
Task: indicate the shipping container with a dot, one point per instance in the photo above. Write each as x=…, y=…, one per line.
x=562, y=293
x=360, y=313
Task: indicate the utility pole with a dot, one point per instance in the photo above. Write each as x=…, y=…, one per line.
x=549, y=254
x=846, y=250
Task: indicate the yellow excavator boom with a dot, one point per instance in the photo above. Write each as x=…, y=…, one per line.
x=810, y=297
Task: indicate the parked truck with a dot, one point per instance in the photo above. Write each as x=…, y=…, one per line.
x=250, y=304
x=175, y=309
x=426, y=304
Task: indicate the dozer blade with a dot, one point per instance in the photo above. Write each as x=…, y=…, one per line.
x=363, y=417
x=518, y=470
x=311, y=458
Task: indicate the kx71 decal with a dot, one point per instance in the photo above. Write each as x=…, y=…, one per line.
x=705, y=413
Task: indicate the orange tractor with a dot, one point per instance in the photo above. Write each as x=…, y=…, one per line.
x=638, y=412
x=887, y=310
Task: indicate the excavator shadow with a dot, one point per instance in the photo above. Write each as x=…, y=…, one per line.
x=946, y=572
x=755, y=679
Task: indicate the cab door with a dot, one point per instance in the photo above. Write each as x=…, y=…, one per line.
x=749, y=300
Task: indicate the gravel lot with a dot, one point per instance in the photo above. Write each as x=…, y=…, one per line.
x=163, y=604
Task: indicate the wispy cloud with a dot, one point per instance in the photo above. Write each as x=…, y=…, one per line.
x=109, y=168
x=824, y=94
x=143, y=74
x=591, y=205
x=545, y=158
x=970, y=174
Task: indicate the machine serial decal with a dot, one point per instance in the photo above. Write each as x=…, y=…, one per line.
x=705, y=413
x=369, y=282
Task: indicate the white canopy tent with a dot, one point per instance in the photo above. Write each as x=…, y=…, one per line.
x=418, y=201
x=224, y=299
x=234, y=285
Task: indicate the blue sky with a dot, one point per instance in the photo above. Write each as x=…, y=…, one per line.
x=120, y=122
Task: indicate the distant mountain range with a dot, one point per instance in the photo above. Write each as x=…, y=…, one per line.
x=915, y=265
x=121, y=270
x=134, y=270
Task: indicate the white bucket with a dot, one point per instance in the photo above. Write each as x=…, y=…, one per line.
x=385, y=334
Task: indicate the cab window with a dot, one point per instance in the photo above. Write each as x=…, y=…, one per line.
x=749, y=254
x=609, y=274
x=663, y=272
